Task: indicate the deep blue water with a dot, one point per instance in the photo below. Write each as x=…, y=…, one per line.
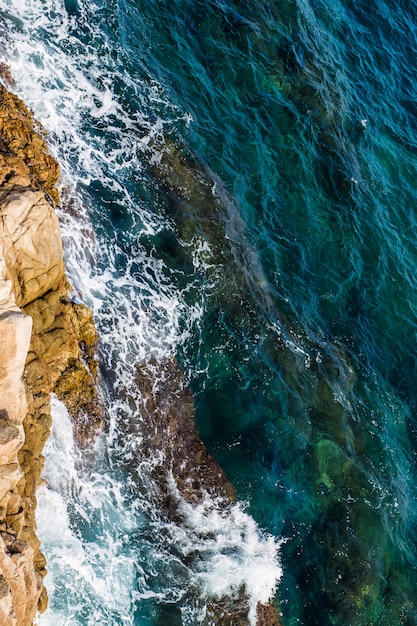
x=249, y=170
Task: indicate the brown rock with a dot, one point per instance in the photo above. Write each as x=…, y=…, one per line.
x=266, y=615
x=5, y=74
x=169, y=415
x=19, y=138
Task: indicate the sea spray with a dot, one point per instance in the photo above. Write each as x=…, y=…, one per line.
x=99, y=579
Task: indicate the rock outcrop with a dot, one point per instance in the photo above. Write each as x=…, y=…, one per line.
x=184, y=470
x=170, y=426
x=46, y=344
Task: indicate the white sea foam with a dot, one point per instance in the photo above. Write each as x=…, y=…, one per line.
x=106, y=550
x=232, y=553
x=98, y=573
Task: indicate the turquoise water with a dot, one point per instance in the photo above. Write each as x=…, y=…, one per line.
x=249, y=172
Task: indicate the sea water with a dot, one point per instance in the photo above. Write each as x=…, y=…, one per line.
x=240, y=194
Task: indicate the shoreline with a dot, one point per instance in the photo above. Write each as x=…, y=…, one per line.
x=54, y=340
x=47, y=343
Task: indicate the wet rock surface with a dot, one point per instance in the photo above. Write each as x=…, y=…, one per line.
x=169, y=418
x=186, y=470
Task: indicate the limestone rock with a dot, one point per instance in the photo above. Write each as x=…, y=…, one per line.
x=10, y=474
x=15, y=332
x=18, y=578
x=11, y=440
x=32, y=247
x=19, y=582
x=7, y=613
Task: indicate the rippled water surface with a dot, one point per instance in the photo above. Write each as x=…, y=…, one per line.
x=242, y=180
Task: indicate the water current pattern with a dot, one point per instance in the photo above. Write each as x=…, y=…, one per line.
x=238, y=198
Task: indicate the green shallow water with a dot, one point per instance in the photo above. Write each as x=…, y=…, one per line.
x=290, y=136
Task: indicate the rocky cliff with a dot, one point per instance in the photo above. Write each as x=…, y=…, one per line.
x=46, y=345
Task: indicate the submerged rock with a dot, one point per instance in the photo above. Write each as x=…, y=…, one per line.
x=48, y=341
